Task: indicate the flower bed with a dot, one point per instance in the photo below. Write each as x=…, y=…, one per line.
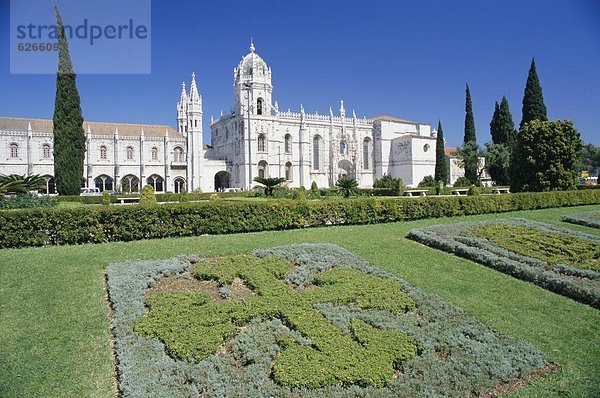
x=560, y=260
x=300, y=320
x=588, y=218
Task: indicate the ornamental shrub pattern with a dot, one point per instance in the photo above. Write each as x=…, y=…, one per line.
x=318, y=312
x=563, y=261
x=589, y=219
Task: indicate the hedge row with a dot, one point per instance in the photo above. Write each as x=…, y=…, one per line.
x=160, y=197
x=457, y=355
x=39, y=227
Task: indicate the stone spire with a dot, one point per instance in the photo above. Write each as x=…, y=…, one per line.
x=194, y=96
x=342, y=110
x=184, y=98
x=251, y=45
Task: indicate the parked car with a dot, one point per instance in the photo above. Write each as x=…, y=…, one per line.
x=232, y=189
x=90, y=192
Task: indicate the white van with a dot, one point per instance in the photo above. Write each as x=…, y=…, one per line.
x=232, y=190
x=90, y=192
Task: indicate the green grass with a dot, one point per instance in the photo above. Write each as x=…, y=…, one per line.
x=54, y=328
x=63, y=205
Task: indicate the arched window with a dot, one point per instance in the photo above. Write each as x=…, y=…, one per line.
x=179, y=185
x=130, y=183
x=154, y=153
x=156, y=182
x=14, y=150
x=259, y=106
x=367, y=153
x=178, y=155
x=129, y=153
x=288, y=171
x=46, y=151
x=102, y=152
x=288, y=143
x=104, y=183
x=261, y=143
x=317, y=152
x=263, y=169
x=342, y=147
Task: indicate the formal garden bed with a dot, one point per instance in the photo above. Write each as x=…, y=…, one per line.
x=588, y=219
x=560, y=260
x=301, y=320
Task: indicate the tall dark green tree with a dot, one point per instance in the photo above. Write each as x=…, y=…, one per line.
x=470, y=151
x=504, y=135
x=69, y=137
x=504, y=129
x=441, y=167
x=533, y=101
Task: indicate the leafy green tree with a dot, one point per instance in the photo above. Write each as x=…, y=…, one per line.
x=399, y=188
x=385, y=182
x=588, y=159
x=427, y=181
x=470, y=151
x=69, y=138
x=148, y=197
x=497, y=162
x=545, y=156
x=269, y=183
x=462, y=182
x=441, y=166
x=347, y=186
x=468, y=158
x=533, y=101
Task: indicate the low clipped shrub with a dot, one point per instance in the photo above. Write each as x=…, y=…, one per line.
x=39, y=227
x=268, y=345
x=560, y=260
x=26, y=201
x=105, y=198
x=148, y=198
x=589, y=219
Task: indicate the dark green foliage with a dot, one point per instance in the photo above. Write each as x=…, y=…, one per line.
x=313, y=186
x=473, y=191
x=450, y=344
x=69, y=138
x=589, y=219
x=502, y=127
x=269, y=183
x=462, y=182
x=40, y=227
x=147, y=198
x=105, y=198
x=399, y=188
x=588, y=159
x=385, y=182
x=441, y=166
x=20, y=184
x=533, y=101
x=545, y=157
x=183, y=196
x=427, y=181
x=469, y=156
x=25, y=201
x=469, y=119
x=346, y=186
x=497, y=163
x=533, y=255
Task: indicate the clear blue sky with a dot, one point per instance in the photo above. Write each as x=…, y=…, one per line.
x=408, y=59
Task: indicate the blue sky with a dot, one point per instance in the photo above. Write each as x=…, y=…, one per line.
x=408, y=59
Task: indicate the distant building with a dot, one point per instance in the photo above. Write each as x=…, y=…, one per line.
x=456, y=170
x=254, y=139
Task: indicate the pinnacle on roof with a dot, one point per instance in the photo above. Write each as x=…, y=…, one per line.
x=194, y=96
x=251, y=45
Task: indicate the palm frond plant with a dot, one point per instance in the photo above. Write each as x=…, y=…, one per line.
x=21, y=184
x=269, y=183
x=347, y=186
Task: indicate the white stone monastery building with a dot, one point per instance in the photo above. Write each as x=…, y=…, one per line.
x=255, y=139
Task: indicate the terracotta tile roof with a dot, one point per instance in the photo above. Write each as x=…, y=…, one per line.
x=97, y=128
x=392, y=119
x=450, y=151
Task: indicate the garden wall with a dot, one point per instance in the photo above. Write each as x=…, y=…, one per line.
x=40, y=227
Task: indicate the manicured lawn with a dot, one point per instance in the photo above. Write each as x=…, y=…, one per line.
x=54, y=328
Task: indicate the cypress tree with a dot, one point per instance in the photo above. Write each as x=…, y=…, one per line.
x=69, y=137
x=469, y=119
x=507, y=132
x=533, y=101
x=470, y=151
x=441, y=168
x=494, y=126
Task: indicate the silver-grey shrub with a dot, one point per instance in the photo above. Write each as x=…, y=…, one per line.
x=588, y=218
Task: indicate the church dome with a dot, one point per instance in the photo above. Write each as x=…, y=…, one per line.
x=252, y=65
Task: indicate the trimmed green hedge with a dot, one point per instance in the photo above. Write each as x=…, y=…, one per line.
x=160, y=197
x=39, y=227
